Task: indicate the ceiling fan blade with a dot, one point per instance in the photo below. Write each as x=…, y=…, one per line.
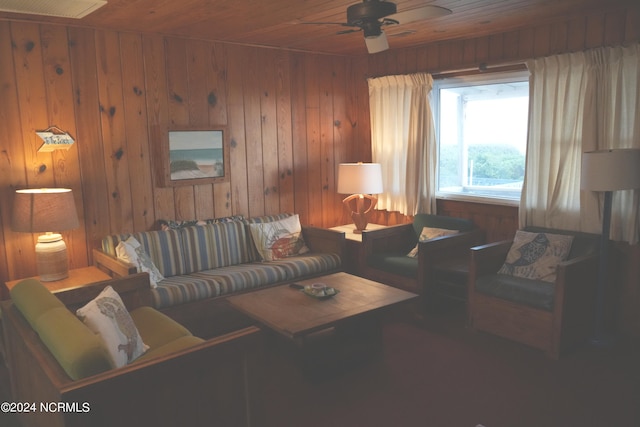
x=377, y=43
x=355, y=30
x=419, y=14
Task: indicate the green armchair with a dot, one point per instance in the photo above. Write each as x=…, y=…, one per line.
x=549, y=315
x=441, y=264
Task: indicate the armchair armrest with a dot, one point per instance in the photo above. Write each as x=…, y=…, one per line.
x=486, y=259
x=574, y=301
x=395, y=238
x=447, y=247
x=323, y=240
x=112, y=265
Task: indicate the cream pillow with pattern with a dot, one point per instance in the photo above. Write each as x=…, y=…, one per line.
x=107, y=317
x=131, y=251
x=536, y=255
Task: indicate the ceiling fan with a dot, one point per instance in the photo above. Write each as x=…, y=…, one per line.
x=371, y=15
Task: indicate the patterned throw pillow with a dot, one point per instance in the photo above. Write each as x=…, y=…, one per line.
x=279, y=239
x=131, y=251
x=170, y=224
x=536, y=255
x=107, y=317
x=429, y=233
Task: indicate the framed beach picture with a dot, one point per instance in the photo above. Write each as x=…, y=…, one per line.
x=197, y=157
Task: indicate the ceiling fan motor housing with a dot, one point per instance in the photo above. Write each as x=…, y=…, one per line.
x=369, y=10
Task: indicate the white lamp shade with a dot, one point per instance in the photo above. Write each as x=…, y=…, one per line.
x=610, y=170
x=359, y=178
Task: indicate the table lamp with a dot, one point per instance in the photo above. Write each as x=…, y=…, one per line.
x=608, y=171
x=361, y=180
x=48, y=210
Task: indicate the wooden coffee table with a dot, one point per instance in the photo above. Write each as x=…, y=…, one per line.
x=295, y=315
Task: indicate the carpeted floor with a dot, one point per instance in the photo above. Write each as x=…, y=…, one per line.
x=440, y=374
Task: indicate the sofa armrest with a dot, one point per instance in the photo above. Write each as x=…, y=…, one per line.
x=323, y=240
x=394, y=238
x=112, y=265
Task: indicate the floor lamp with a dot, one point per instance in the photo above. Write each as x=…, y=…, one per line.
x=608, y=171
x=361, y=180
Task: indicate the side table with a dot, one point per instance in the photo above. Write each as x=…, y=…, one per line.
x=355, y=253
x=78, y=277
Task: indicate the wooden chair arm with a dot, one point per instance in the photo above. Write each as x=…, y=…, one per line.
x=395, y=238
x=445, y=247
x=112, y=265
x=323, y=240
x=487, y=259
x=135, y=291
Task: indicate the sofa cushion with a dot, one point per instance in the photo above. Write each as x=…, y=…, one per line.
x=156, y=328
x=79, y=351
x=164, y=247
x=215, y=245
x=308, y=264
x=216, y=282
x=254, y=254
x=396, y=263
x=533, y=293
x=107, y=316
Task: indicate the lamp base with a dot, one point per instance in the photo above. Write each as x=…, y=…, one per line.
x=361, y=215
x=51, y=257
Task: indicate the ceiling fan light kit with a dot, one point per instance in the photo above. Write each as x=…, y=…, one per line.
x=370, y=16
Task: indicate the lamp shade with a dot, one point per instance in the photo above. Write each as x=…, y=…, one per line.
x=44, y=210
x=610, y=170
x=359, y=178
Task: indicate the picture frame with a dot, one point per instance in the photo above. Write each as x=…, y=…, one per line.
x=195, y=156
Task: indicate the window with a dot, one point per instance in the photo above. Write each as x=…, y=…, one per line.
x=481, y=125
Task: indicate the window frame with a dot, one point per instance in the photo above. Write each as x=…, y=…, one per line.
x=470, y=80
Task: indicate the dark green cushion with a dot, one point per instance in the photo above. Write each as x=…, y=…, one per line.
x=533, y=293
x=395, y=263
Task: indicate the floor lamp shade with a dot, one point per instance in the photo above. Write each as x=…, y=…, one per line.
x=611, y=170
x=361, y=181
x=607, y=171
x=49, y=211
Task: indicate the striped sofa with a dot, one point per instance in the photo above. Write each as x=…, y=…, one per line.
x=206, y=262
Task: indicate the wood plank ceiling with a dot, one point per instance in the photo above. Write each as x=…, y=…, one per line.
x=282, y=23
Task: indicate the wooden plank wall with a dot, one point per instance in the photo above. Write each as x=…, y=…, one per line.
x=292, y=118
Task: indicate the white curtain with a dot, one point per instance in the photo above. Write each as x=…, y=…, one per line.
x=580, y=102
x=403, y=142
